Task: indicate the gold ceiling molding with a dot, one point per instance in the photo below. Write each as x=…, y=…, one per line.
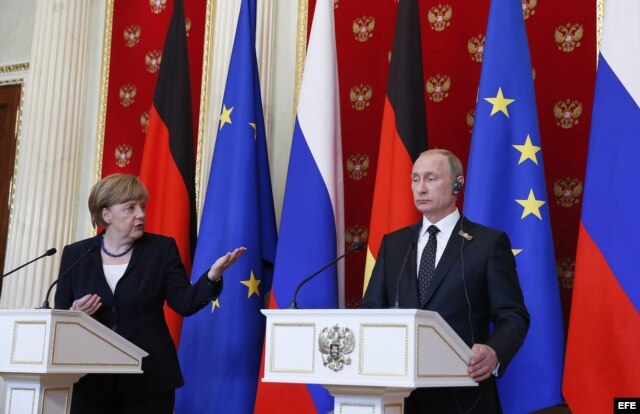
x=15, y=68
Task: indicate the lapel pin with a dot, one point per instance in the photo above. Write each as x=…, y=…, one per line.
x=466, y=235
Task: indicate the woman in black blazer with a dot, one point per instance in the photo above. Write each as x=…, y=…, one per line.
x=122, y=277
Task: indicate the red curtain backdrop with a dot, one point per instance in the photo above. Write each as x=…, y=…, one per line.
x=138, y=33
x=562, y=39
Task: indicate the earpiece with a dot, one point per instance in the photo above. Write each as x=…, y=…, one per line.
x=457, y=186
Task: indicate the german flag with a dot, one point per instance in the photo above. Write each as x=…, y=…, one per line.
x=403, y=136
x=168, y=158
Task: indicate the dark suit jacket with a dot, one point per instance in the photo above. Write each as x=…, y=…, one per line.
x=135, y=311
x=486, y=266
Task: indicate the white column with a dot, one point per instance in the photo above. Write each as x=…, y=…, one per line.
x=49, y=153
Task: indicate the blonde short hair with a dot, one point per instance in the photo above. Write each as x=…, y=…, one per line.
x=114, y=189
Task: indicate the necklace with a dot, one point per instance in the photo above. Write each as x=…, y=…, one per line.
x=108, y=253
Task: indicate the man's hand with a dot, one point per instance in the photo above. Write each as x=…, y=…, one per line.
x=483, y=363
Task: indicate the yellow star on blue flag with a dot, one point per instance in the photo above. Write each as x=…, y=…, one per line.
x=252, y=284
x=527, y=151
x=531, y=205
x=499, y=103
x=225, y=116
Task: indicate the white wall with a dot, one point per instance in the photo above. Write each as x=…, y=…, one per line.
x=16, y=30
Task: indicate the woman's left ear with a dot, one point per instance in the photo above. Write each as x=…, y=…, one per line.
x=106, y=215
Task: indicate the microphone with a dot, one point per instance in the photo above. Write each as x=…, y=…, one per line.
x=49, y=252
x=412, y=245
x=45, y=304
x=356, y=248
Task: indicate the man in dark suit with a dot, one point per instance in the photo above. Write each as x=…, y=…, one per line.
x=464, y=271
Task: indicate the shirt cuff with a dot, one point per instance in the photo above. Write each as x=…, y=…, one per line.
x=496, y=371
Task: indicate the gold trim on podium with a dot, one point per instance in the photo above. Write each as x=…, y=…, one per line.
x=16, y=326
x=272, y=368
x=53, y=349
x=33, y=398
x=418, y=374
x=406, y=349
x=363, y=405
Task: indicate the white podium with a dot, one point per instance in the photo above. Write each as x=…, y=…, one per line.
x=43, y=352
x=370, y=359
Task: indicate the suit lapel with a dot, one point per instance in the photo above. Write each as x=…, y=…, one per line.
x=96, y=261
x=449, y=256
x=409, y=284
x=96, y=255
x=140, y=245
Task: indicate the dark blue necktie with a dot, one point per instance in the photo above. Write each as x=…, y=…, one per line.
x=427, y=263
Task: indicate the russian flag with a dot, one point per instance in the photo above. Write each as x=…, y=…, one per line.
x=312, y=221
x=604, y=329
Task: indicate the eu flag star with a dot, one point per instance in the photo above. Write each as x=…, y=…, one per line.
x=214, y=304
x=516, y=252
x=499, y=103
x=528, y=151
x=225, y=116
x=531, y=205
x=252, y=284
x=255, y=132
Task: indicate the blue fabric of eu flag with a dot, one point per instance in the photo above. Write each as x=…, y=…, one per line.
x=506, y=190
x=221, y=346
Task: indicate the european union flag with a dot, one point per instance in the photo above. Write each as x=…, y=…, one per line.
x=221, y=346
x=506, y=190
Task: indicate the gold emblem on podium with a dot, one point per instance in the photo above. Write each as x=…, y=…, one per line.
x=335, y=344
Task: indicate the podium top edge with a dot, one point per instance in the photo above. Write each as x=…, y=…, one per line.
x=352, y=312
x=60, y=312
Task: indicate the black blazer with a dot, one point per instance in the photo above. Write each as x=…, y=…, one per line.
x=135, y=311
x=481, y=270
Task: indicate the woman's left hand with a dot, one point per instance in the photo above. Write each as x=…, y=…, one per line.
x=220, y=265
x=89, y=304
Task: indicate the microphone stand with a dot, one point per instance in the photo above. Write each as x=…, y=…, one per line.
x=356, y=247
x=49, y=252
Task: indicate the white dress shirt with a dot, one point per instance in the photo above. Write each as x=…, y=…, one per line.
x=446, y=226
